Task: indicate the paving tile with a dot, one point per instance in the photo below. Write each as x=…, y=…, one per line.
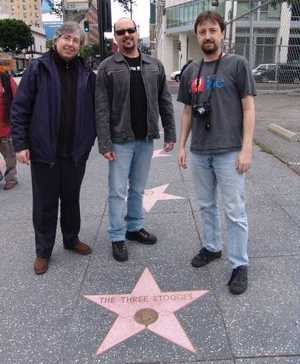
x=201, y=319
x=273, y=360
x=178, y=240
x=265, y=321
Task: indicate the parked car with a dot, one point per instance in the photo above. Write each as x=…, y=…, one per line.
x=264, y=72
x=283, y=72
x=175, y=76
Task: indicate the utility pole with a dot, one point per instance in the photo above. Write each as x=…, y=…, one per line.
x=231, y=26
x=130, y=9
x=251, y=35
x=100, y=28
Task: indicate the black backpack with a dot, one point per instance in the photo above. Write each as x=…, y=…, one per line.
x=7, y=94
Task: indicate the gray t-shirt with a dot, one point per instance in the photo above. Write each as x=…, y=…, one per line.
x=232, y=82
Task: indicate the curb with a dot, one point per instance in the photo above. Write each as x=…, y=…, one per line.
x=284, y=133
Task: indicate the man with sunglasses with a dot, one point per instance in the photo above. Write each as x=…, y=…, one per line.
x=131, y=94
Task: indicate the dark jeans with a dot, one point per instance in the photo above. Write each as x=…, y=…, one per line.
x=50, y=184
x=8, y=152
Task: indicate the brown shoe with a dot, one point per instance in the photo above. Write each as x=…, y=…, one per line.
x=10, y=184
x=80, y=248
x=40, y=265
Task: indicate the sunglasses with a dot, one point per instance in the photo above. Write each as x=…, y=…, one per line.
x=123, y=31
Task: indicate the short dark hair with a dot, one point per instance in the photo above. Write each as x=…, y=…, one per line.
x=212, y=16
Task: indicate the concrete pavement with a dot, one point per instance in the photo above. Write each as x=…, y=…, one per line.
x=47, y=319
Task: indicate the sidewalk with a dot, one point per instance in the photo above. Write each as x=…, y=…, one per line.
x=47, y=319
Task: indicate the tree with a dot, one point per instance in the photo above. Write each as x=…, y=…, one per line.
x=15, y=35
x=127, y=5
x=57, y=6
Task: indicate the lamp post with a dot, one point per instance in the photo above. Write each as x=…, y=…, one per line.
x=100, y=27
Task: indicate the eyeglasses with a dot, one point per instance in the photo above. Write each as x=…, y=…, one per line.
x=123, y=31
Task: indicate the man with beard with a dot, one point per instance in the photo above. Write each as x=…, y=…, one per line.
x=219, y=111
x=54, y=129
x=131, y=93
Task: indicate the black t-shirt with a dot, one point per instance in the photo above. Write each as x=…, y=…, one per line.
x=138, y=100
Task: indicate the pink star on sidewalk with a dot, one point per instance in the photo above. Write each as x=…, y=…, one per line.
x=160, y=153
x=146, y=307
x=152, y=195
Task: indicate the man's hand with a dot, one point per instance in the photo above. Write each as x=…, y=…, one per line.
x=23, y=156
x=182, y=158
x=111, y=156
x=168, y=147
x=243, y=161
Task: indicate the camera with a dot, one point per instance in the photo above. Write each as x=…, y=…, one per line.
x=202, y=111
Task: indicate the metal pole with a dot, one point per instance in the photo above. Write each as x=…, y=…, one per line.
x=100, y=28
x=231, y=26
x=130, y=4
x=251, y=35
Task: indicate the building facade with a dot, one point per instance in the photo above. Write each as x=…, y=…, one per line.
x=276, y=31
x=27, y=10
x=4, y=9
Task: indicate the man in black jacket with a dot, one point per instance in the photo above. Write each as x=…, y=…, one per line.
x=131, y=95
x=54, y=129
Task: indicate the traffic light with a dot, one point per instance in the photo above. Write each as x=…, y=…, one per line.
x=86, y=26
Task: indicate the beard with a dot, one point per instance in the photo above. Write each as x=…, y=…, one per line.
x=210, y=50
x=128, y=46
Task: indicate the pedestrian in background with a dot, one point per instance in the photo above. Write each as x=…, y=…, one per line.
x=217, y=94
x=131, y=94
x=7, y=91
x=54, y=130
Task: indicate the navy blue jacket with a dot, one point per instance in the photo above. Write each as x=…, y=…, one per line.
x=36, y=114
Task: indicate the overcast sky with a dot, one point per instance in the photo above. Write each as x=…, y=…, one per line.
x=141, y=15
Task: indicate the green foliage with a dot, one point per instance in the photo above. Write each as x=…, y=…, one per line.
x=15, y=35
x=49, y=43
x=89, y=51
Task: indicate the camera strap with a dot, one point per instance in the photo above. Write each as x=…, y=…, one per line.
x=213, y=74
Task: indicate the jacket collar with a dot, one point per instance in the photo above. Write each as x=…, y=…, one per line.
x=48, y=61
x=120, y=58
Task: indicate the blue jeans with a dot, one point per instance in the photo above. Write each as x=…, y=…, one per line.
x=210, y=171
x=127, y=179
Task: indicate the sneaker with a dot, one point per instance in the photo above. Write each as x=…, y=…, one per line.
x=119, y=251
x=204, y=257
x=142, y=236
x=238, y=282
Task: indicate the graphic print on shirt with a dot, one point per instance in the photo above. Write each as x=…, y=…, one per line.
x=135, y=68
x=206, y=83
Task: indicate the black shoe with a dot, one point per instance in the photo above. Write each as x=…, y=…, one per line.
x=238, y=282
x=204, y=257
x=142, y=236
x=119, y=251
